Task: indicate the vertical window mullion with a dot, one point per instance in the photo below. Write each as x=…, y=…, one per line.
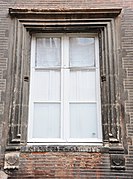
x=62, y=90
x=66, y=86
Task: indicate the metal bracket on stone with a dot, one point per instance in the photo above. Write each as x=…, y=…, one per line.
x=11, y=161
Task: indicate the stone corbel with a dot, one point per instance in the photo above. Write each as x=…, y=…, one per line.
x=11, y=161
x=117, y=159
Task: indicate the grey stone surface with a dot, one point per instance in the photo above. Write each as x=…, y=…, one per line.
x=3, y=175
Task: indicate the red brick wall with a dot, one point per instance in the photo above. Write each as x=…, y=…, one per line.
x=62, y=164
x=67, y=165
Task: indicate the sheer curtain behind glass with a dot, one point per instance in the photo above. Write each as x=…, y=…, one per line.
x=82, y=88
x=46, y=89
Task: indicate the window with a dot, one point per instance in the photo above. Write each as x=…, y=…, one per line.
x=64, y=104
x=94, y=29
x=59, y=31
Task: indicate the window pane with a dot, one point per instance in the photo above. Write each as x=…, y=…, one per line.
x=82, y=85
x=46, y=85
x=82, y=52
x=46, y=120
x=48, y=52
x=83, y=122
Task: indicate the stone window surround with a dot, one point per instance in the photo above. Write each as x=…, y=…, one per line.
x=105, y=22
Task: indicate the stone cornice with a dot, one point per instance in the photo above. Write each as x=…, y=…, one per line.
x=92, y=12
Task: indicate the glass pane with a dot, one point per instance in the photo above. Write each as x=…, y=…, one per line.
x=46, y=120
x=48, y=52
x=81, y=52
x=83, y=122
x=82, y=85
x=46, y=85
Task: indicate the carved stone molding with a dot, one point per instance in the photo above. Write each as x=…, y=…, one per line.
x=64, y=148
x=11, y=161
x=117, y=158
x=117, y=161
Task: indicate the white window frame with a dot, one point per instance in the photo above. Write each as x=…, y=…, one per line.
x=64, y=89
